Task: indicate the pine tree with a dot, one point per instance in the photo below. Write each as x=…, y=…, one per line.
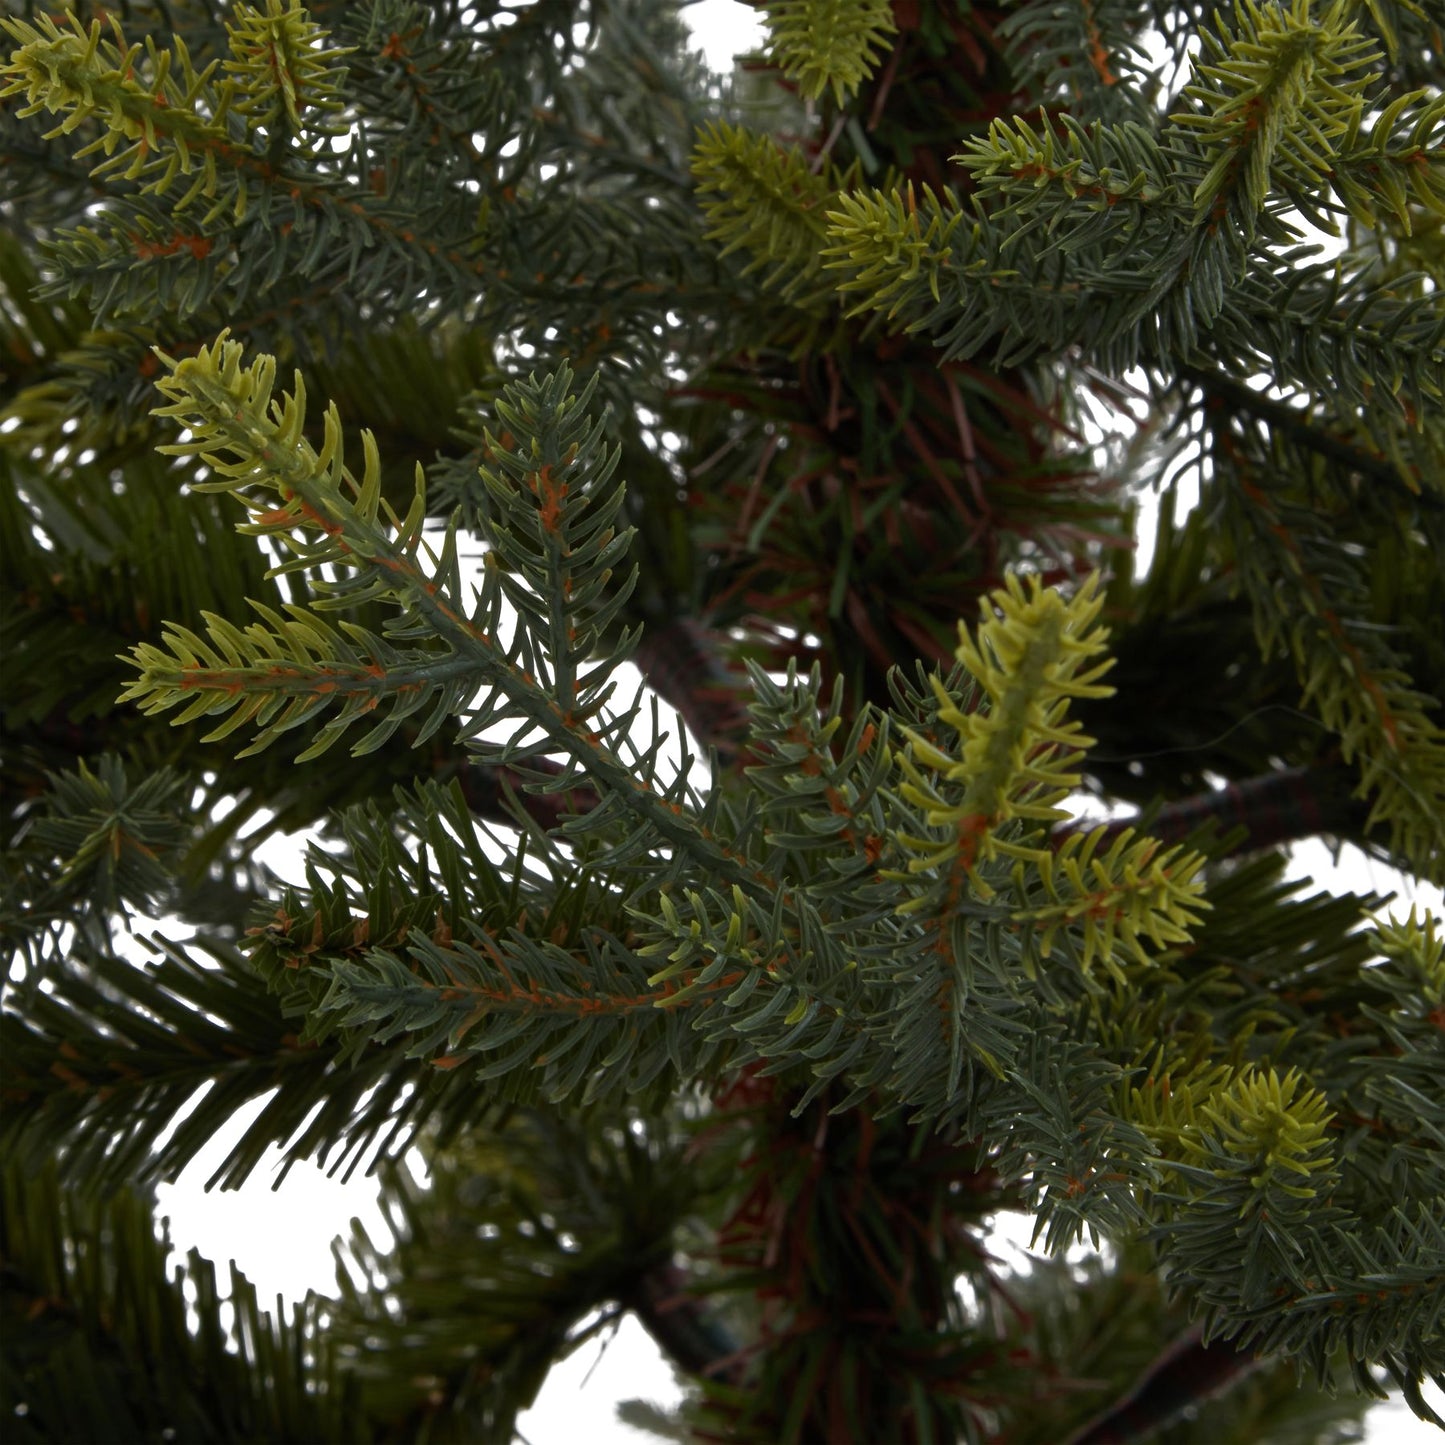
x=788, y=387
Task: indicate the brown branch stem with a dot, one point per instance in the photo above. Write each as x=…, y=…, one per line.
x=1277, y=807
x=1185, y=1373
x=682, y=1327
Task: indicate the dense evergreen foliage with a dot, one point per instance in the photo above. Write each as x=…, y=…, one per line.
x=827, y=393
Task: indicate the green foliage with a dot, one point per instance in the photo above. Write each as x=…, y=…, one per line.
x=1304, y=586
x=1273, y=99
x=300, y=663
x=828, y=44
x=561, y=1215
x=770, y=203
x=98, y=847
x=139, y=1041
x=281, y=66
x=888, y=248
x=1088, y=58
x=1015, y=755
x=1130, y=890
x=87, y=1297
x=754, y=1051
x=790, y=970
x=1155, y=226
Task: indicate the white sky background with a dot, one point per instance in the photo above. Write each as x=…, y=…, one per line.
x=282, y=1239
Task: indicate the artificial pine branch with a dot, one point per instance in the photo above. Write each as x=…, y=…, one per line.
x=841, y=934
x=1014, y=763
